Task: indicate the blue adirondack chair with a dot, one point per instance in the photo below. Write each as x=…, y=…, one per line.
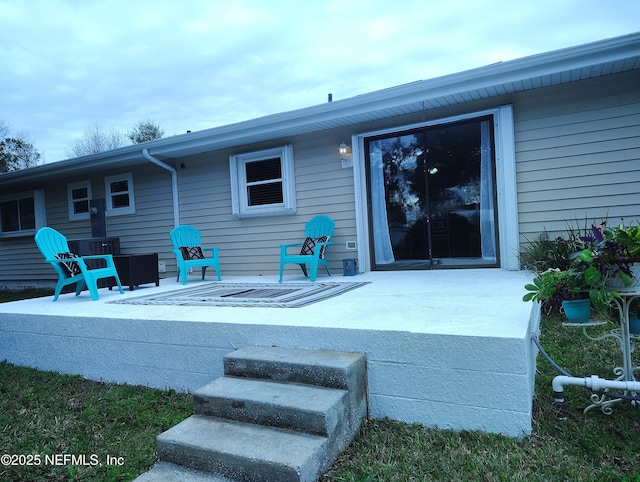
x=189, y=252
x=318, y=232
x=72, y=268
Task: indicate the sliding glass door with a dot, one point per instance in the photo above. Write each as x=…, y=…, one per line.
x=432, y=197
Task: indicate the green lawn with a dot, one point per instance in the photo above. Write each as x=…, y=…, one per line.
x=111, y=429
x=591, y=447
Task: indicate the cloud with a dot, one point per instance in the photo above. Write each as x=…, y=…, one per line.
x=70, y=64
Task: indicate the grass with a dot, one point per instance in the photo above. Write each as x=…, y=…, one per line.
x=591, y=447
x=47, y=415
x=44, y=414
x=23, y=294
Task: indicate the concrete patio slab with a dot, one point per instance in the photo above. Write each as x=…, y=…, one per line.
x=447, y=348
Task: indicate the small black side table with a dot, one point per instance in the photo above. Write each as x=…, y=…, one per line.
x=136, y=269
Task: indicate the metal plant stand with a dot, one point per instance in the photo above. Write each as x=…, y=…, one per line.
x=627, y=343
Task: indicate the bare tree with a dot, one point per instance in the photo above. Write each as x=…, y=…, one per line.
x=16, y=152
x=4, y=129
x=145, y=131
x=96, y=139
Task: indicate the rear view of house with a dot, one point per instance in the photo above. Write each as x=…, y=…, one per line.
x=448, y=173
x=451, y=172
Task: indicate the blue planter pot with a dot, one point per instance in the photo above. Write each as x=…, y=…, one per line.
x=577, y=311
x=634, y=324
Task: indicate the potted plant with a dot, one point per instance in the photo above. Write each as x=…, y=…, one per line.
x=613, y=253
x=629, y=237
x=574, y=289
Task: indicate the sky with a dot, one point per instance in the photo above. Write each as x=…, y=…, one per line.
x=69, y=65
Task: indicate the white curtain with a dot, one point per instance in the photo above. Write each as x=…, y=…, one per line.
x=487, y=218
x=381, y=238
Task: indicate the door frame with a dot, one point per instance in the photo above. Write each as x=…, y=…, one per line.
x=507, y=203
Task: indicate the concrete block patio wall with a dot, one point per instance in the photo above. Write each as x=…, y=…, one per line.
x=440, y=380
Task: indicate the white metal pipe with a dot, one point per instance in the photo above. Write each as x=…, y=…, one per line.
x=174, y=184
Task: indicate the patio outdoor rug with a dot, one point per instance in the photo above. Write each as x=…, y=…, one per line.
x=275, y=295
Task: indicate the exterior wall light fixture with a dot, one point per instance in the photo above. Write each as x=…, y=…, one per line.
x=345, y=155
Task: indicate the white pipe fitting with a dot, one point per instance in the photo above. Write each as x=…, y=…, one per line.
x=594, y=383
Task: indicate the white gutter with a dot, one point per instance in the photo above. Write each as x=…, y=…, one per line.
x=174, y=184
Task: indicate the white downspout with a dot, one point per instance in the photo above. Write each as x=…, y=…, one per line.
x=174, y=184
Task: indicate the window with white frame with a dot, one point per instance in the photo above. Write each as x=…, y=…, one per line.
x=262, y=182
x=78, y=197
x=119, y=194
x=22, y=214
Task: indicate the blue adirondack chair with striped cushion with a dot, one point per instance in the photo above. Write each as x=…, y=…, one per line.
x=312, y=251
x=72, y=268
x=189, y=252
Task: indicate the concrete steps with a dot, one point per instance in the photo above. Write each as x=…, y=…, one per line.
x=314, y=410
x=277, y=415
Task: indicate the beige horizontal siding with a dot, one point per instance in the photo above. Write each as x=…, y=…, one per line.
x=251, y=246
x=145, y=231
x=578, y=155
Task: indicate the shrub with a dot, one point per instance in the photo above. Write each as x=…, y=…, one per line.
x=542, y=254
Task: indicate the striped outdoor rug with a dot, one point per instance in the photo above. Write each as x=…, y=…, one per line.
x=276, y=295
